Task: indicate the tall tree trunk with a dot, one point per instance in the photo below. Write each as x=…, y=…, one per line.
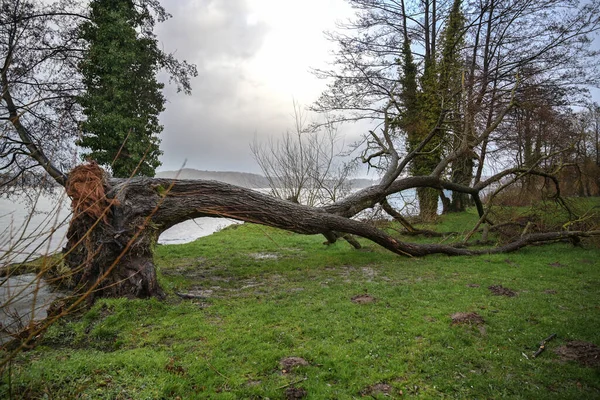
x=428, y=203
x=462, y=173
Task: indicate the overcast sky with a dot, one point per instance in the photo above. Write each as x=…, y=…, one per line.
x=254, y=58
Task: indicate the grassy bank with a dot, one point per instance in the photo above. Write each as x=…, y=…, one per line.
x=359, y=323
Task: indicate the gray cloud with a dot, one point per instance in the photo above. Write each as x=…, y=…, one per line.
x=213, y=127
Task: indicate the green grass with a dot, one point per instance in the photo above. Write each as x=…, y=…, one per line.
x=273, y=294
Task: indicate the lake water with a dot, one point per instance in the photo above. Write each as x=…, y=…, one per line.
x=23, y=298
x=25, y=234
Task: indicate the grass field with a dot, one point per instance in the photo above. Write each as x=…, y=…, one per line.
x=279, y=315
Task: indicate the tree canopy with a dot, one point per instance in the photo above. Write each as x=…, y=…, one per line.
x=50, y=67
x=442, y=80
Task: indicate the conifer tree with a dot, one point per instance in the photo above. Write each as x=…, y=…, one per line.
x=122, y=98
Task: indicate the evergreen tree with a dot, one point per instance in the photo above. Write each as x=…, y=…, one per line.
x=122, y=98
x=421, y=114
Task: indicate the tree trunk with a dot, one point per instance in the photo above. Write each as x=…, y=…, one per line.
x=109, y=264
x=117, y=223
x=110, y=250
x=110, y=238
x=462, y=173
x=428, y=203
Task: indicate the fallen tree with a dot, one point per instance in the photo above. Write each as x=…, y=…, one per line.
x=117, y=222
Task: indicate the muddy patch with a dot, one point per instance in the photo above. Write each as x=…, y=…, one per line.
x=584, y=353
x=379, y=388
x=556, y=264
x=363, y=299
x=293, y=393
x=369, y=273
x=511, y=263
x=550, y=291
x=289, y=363
x=264, y=256
x=467, y=318
x=499, y=290
x=473, y=285
x=196, y=294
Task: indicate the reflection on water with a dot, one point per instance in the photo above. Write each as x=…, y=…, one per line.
x=23, y=298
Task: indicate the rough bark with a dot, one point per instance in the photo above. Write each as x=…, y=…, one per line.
x=112, y=256
x=462, y=173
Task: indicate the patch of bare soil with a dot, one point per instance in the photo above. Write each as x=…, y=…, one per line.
x=293, y=393
x=174, y=368
x=288, y=363
x=473, y=285
x=550, y=291
x=511, y=263
x=499, y=290
x=369, y=273
x=467, y=318
x=584, y=353
x=264, y=256
x=557, y=265
x=196, y=294
x=379, y=388
x=363, y=299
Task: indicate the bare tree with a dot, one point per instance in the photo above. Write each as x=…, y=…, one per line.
x=305, y=166
x=444, y=87
x=38, y=75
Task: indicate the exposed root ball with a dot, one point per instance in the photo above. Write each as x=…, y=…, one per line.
x=86, y=188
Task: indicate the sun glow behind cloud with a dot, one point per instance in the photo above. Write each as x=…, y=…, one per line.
x=294, y=44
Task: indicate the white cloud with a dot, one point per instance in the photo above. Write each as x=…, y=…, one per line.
x=253, y=57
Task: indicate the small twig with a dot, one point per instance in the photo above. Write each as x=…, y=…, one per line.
x=543, y=345
x=526, y=229
x=293, y=383
x=214, y=369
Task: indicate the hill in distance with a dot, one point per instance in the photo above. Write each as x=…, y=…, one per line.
x=244, y=179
